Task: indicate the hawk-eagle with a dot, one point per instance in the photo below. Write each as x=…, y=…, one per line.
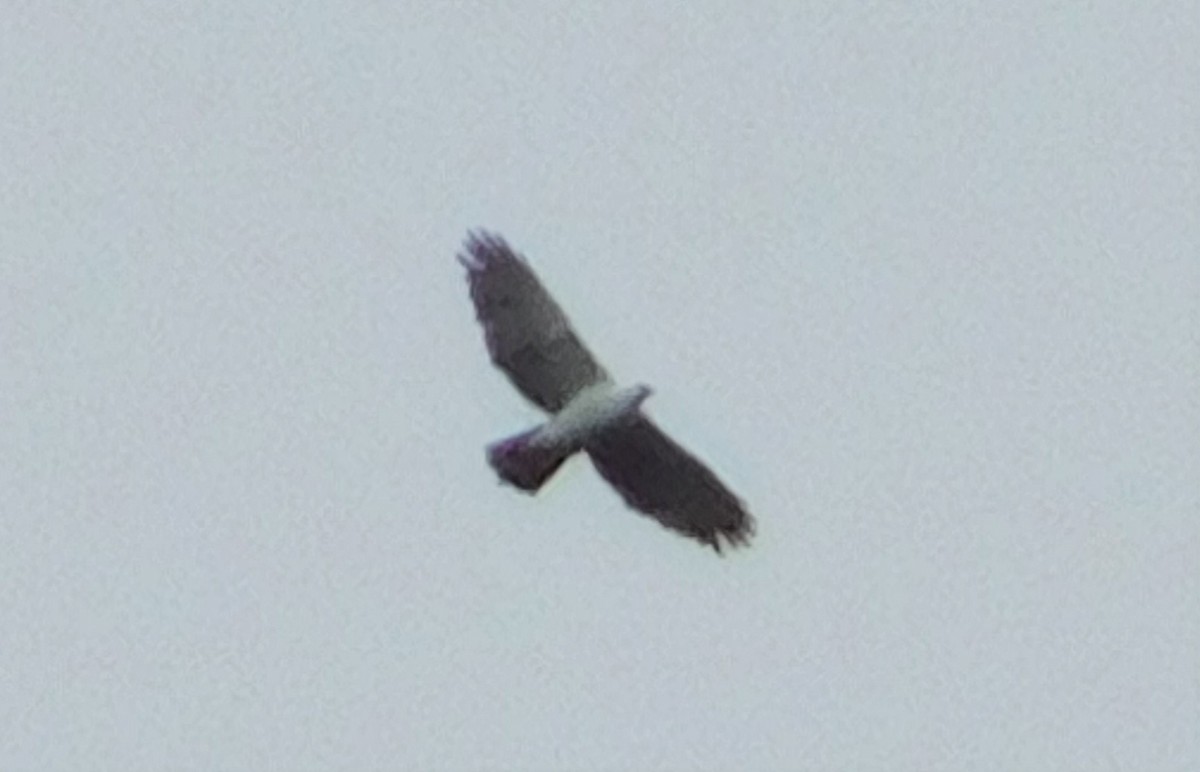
x=531, y=340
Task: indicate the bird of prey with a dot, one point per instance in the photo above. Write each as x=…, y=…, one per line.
x=531, y=340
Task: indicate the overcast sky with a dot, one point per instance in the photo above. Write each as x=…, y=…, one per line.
x=921, y=282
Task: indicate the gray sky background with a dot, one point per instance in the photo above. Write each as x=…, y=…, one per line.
x=921, y=283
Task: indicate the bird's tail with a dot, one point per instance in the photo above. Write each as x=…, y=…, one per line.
x=525, y=462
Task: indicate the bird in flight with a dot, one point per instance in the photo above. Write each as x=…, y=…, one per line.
x=532, y=342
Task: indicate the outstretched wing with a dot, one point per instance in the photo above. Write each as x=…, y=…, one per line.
x=659, y=478
x=528, y=335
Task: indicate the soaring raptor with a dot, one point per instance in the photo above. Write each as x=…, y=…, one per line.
x=531, y=340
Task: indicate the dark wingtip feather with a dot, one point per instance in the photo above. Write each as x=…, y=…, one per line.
x=735, y=536
x=484, y=250
x=478, y=248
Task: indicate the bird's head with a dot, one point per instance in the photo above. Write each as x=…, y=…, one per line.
x=634, y=396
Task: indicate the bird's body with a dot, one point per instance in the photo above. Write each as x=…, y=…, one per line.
x=591, y=410
x=531, y=340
